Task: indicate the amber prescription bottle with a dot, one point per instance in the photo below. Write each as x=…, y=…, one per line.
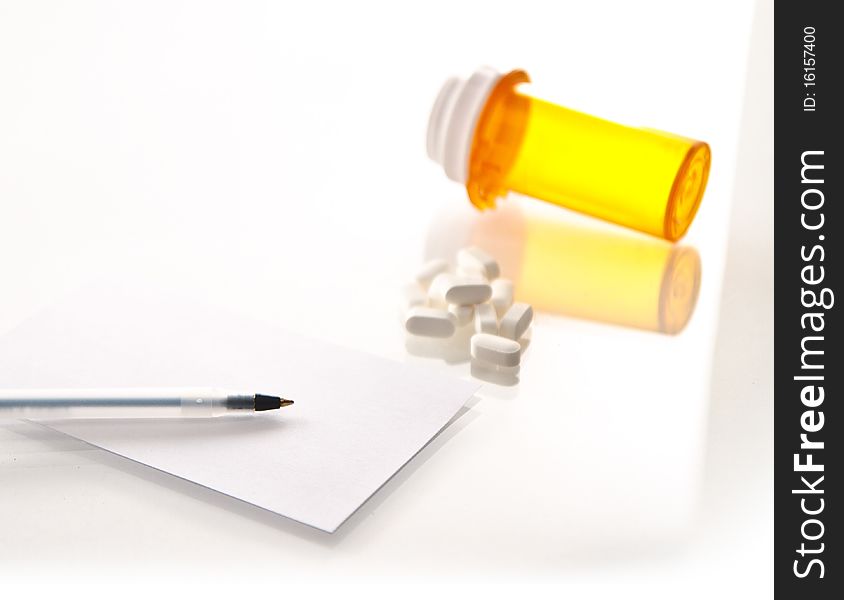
x=495, y=138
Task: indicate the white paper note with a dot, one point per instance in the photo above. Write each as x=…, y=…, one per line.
x=357, y=419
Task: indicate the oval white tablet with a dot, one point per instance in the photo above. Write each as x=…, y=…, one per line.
x=429, y=322
x=496, y=350
x=515, y=321
x=413, y=295
x=476, y=259
x=462, y=313
x=502, y=295
x=486, y=320
x=471, y=273
x=438, y=288
x=454, y=289
x=429, y=270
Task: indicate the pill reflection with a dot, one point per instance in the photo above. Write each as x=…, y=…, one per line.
x=595, y=273
x=503, y=376
x=452, y=350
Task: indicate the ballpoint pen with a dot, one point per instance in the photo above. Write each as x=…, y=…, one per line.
x=131, y=403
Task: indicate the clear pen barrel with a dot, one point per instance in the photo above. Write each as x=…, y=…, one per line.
x=35, y=404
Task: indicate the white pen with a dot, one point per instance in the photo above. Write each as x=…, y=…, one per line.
x=131, y=403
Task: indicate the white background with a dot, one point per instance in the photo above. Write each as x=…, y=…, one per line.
x=271, y=158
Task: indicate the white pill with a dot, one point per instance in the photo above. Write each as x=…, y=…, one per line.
x=429, y=270
x=475, y=258
x=485, y=319
x=454, y=289
x=436, y=291
x=515, y=321
x=502, y=295
x=495, y=350
x=471, y=272
x=462, y=313
x=412, y=295
x=429, y=322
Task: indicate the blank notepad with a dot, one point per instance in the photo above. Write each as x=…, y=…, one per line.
x=357, y=419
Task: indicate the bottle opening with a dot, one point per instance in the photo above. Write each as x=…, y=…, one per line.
x=687, y=191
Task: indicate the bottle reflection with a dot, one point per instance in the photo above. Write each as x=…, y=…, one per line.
x=594, y=273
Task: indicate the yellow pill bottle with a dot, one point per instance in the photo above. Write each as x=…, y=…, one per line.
x=495, y=138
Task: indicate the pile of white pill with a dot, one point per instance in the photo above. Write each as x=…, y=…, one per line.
x=443, y=301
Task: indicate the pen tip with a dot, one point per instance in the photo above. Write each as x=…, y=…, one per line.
x=263, y=402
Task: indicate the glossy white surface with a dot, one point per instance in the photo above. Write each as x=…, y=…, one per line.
x=236, y=150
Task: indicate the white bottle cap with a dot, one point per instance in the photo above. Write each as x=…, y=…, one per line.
x=451, y=126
